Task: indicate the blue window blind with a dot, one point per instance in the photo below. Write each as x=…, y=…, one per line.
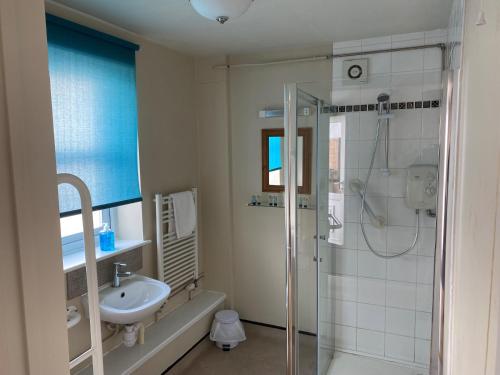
x=275, y=153
x=92, y=80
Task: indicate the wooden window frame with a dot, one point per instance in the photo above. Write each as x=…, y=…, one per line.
x=306, y=134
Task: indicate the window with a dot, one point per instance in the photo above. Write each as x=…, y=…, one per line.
x=92, y=79
x=72, y=230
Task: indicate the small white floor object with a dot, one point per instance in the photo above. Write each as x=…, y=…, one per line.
x=227, y=331
x=351, y=364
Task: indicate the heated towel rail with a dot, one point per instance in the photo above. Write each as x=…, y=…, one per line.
x=177, y=257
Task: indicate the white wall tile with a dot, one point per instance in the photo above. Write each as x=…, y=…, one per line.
x=432, y=89
x=400, y=322
x=352, y=206
x=402, y=295
x=397, y=183
x=424, y=297
x=343, y=95
x=400, y=347
x=326, y=312
x=430, y=123
x=350, y=235
x=345, y=313
x=376, y=236
x=427, y=242
x=345, y=261
x=367, y=125
x=432, y=58
x=423, y=326
x=365, y=152
x=352, y=154
x=429, y=152
x=376, y=40
x=326, y=334
x=426, y=221
x=379, y=63
x=403, y=268
x=399, y=214
x=407, y=61
x=378, y=184
x=420, y=36
x=369, y=265
x=352, y=126
x=350, y=174
x=343, y=287
x=403, y=153
x=425, y=270
x=345, y=337
x=371, y=342
x=423, y=352
x=399, y=239
x=371, y=291
x=371, y=317
x=406, y=125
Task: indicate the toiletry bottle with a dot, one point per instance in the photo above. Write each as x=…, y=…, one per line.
x=106, y=238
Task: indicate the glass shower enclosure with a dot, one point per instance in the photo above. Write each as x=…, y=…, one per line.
x=360, y=248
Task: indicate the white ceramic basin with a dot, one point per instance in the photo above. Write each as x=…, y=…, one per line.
x=135, y=299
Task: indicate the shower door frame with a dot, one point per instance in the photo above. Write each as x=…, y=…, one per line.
x=291, y=94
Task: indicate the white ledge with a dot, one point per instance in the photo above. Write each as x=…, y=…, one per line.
x=76, y=260
x=124, y=361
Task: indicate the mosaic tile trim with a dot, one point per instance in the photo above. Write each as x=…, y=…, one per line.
x=425, y=104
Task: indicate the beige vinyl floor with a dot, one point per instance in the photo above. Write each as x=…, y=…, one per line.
x=263, y=353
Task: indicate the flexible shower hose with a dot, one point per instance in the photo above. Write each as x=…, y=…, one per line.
x=363, y=200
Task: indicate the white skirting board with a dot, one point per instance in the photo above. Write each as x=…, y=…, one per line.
x=126, y=360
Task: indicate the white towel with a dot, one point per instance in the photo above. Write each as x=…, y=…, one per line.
x=184, y=213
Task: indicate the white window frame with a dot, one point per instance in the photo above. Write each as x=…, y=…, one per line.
x=74, y=243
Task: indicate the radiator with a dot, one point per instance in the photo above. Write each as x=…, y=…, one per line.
x=177, y=258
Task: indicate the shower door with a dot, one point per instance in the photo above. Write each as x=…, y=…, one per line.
x=309, y=349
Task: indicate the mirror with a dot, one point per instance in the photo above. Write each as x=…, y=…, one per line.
x=273, y=156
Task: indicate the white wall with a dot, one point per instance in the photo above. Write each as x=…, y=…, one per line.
x=32, y=293
x=258, y=239
x=474, y=298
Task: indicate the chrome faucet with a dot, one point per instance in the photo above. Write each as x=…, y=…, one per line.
x=117, y=274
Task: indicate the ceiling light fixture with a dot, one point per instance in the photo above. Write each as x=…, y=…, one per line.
x=220, y=10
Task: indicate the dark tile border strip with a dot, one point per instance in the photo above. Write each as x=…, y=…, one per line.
x=397, y=106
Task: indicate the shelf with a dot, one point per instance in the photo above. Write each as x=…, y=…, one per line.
x=265, y=206
x=76, y=260
x=123, y=360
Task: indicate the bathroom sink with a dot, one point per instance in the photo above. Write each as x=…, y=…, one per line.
x=135, y=299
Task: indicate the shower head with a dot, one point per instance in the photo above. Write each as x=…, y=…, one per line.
x=383, y=97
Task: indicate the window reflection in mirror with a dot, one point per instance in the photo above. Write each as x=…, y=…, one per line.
x=336, y=176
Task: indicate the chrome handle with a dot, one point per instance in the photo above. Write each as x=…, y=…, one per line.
x=118, y=265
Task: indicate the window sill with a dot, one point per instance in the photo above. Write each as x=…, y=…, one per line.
x=76, y=260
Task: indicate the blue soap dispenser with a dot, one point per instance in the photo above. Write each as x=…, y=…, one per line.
x=106, y=238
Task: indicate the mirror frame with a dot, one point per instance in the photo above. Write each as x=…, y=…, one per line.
x=306, y=134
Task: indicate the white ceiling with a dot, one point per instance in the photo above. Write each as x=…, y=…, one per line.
x=268, y=24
